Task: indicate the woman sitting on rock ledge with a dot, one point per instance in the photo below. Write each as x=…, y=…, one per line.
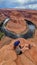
x=20, y=49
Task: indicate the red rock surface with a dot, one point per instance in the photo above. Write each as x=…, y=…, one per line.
x=17, y=24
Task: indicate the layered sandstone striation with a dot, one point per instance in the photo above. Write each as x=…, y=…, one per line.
x=17, y=24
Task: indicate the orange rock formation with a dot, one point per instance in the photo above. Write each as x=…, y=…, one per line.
x=17, y=24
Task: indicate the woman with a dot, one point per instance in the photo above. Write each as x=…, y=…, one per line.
x=20, y=49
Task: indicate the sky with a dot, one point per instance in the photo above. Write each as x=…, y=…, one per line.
x=21, y=4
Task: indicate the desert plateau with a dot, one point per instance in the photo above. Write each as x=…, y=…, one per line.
x=17, y=25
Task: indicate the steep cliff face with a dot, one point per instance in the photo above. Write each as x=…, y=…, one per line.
x=17, y=24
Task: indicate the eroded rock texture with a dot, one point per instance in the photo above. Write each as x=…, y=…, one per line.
x=17, y=24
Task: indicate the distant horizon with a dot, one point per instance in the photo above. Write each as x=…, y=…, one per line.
x=15, y=9
x=19, y=4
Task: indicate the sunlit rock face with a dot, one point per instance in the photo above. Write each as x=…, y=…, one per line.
x=18, y=24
